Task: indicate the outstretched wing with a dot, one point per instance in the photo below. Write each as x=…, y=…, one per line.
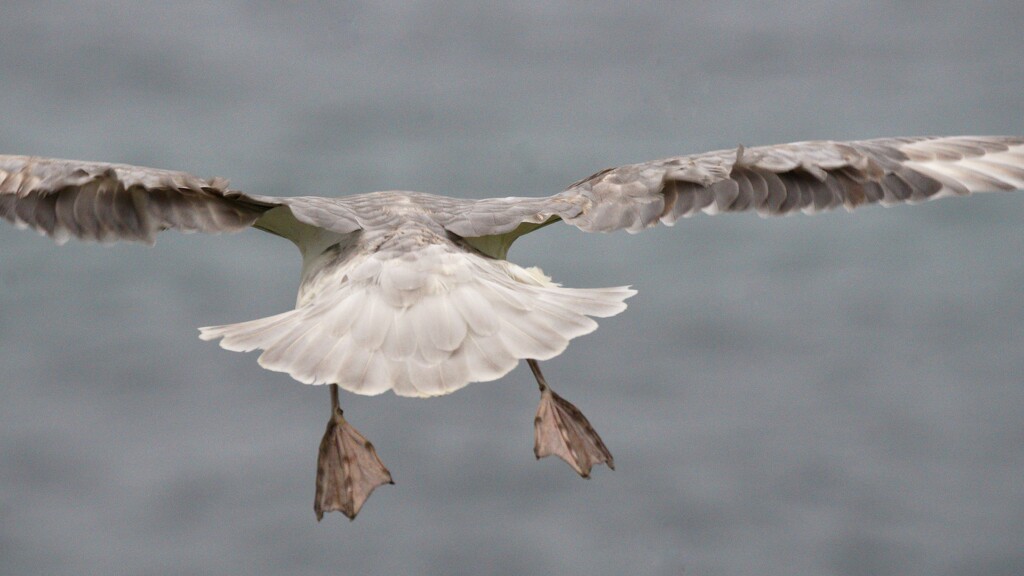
x=110, y=202
x=802, y=176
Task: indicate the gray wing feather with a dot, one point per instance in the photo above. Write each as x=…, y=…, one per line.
x=339, y=215
x=494, y=216
x=110, y=202
x=107, y=202
x=382, y=210
x=783, y=179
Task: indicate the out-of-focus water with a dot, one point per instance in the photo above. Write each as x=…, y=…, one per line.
x=840, y=394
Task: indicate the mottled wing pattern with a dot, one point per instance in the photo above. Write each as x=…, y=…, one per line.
x=464, y=217
x=110, y=202
x=802, y=176
x=339, y=215
x=493, y=216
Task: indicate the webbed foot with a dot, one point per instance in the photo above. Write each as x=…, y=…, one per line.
x=347, y=469
x=560, y=429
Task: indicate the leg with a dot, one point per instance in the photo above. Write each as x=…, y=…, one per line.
x=561, y=429
x=347, y=468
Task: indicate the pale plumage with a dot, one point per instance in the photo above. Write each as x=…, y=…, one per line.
x=411, y=292
x=423, y=326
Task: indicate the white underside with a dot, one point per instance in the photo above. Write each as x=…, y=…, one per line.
x=424, y=324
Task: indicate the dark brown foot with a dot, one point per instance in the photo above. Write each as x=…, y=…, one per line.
x=561, y=429
x=347, y=469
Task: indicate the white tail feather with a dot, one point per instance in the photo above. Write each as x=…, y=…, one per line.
x=426, y=330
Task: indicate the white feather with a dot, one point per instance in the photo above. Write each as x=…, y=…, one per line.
x=420, y=327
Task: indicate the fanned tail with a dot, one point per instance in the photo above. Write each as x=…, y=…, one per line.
x=454, y=319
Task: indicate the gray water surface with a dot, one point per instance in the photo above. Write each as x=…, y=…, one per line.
x=838, y=394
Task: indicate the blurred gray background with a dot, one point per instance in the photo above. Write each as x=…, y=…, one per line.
x=838, y=394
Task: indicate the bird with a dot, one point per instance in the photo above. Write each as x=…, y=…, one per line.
x=413, y=293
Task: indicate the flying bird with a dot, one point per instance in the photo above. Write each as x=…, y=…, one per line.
x=413, y=293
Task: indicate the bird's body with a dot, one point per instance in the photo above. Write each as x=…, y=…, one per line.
x=412, y=292
x=402, y=304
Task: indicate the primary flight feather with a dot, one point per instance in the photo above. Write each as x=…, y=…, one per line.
x=411, y=292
